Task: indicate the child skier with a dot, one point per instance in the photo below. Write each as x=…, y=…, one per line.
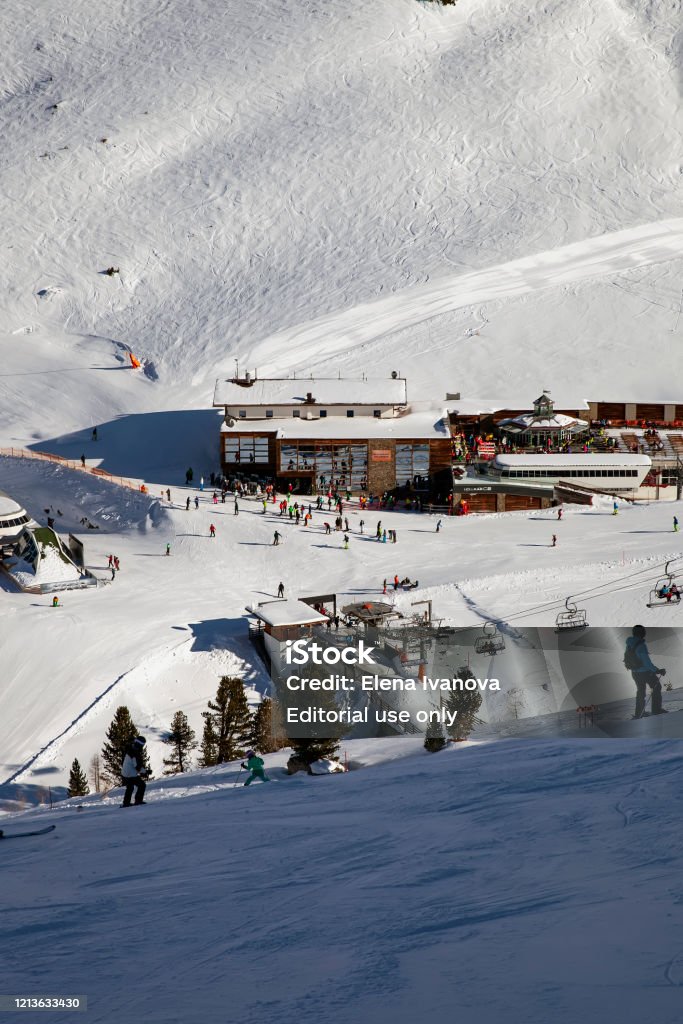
x=675, y=524
x=255, y=766
x=212, y=530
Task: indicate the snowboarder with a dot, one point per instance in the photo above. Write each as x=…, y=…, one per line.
x=212, y=530
x=675, y=524
x=280, y=590
x=168, y=549
x=644, y=673
x=276, y=538
x=134, y=772
x=255, y=766
x=554, y=544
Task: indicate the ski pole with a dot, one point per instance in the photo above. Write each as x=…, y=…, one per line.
x=238, y=777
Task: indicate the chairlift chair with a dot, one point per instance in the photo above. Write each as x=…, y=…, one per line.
x=491, y=642
x=658, y=596
x=571, y=618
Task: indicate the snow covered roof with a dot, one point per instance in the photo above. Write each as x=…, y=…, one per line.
x=488, y=406
x=324, y=391
x=598, y=459
x=8, y=506
x=412, y=425
x=529, y=421
x=288, y=612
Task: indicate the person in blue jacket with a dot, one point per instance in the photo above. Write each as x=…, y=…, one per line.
x=644, y=673
x=255, y=766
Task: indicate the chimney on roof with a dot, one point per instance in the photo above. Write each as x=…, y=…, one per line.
x=310, y=400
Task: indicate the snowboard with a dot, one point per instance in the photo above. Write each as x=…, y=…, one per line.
x=21, y=835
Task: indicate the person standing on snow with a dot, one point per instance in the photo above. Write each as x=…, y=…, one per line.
x=276, y=537
x=236, y=508
x=280, y=590
x=615, y=509
x=134, y=772
x=644, y=673
x=168, y=549
x=438, y=526
x=187, y=505
x=559, y=514
x=346, y=541
x=255, y=766
x=554, y=543
x=675, y=524
x=212, y=530
x=196, y=502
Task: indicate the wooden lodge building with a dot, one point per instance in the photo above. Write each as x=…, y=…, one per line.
x=359, y=435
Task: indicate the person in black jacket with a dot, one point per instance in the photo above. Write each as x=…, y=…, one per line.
x=134, y=772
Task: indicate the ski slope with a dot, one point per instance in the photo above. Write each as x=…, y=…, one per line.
x=520, y=882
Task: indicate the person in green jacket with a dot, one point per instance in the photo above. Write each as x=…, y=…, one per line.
x=255, y=766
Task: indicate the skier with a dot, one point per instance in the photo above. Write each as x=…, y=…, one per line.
x=117, y=564
x=134, y=772
x=83, y=461
x=637, y=661
x=201, y=483
x=236, y=508
x=212, y=530
x=554, y=544
x=280, y=590
x=396, y=582
x=379, y=530
x=168, y=549
x=438, y=526
x=346, y=524
x=255, y=766
x=615, y=509
x=265, y=508
x=328, y=528
x=113, y=573
x=559, y=514
x=55, y=602
x=110, y=562
x=361, y=525
x=196, y=502
x=346, y=541
x=214, y=498
x=187, y=505
x=168, y=494
x=393, y=536
x=675, y=524
x=276, y=538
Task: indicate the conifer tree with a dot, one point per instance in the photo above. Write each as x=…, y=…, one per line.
x=434, y=737
x=78, y=784
x=209, y=745
x=181, y=740
x=267, y=734
x=120, y=735
x=230, y=720
x=466, y=703
x=95, y=772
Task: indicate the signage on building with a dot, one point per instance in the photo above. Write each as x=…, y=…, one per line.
x=381, y=454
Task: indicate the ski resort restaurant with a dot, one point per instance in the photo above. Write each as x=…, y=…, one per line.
x=356, y=434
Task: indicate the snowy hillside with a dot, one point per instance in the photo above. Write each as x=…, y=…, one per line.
x=519, y=884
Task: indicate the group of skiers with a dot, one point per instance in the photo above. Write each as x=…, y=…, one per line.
x=114, y=564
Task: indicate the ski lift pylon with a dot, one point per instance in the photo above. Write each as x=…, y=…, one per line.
x=572, y=617
x=491, y=642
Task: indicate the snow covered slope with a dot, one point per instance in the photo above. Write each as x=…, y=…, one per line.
x=518, y=882
x=251, y=166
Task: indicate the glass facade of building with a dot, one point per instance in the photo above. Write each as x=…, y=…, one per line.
x=412, y=465
x=343, y=465
x=245, y=449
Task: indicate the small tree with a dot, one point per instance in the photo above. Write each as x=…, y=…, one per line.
x=209, y=745
x=434, y=737
x=120, y=735
x=466, y=703
x=78, y=784
x=95, y=773
x=267, y=733
x=181, y=740
x=230, y=720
